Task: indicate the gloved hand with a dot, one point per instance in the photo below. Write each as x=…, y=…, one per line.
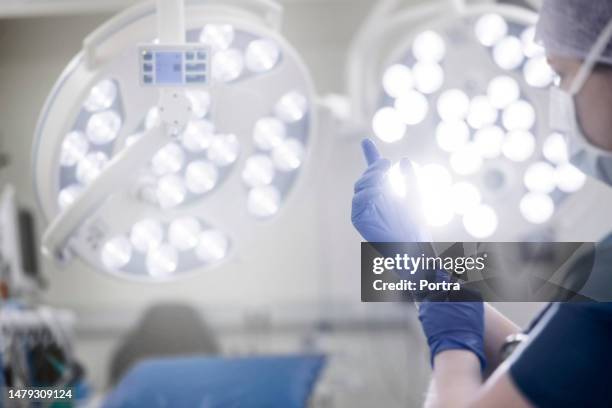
x=454, y=326
x=379, y=214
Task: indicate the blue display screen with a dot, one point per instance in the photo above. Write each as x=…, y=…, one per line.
x=169, y=67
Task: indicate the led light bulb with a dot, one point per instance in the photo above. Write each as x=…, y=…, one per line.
x=168, y=159
x=538, y=73
x=227, y=65
x=480, y=221
x=519, y=115
x=388, y=125
x=170, y=191
x=537, y=208
x=201, y=176
x=291, y=107
x=540, y=177
x=502, y=91
x=199, y=101
x=555, y=148
x=269, y=132
x=258, y=171
x=263, y=201
x=489, y=141
x=428, y=77
x=103, y=127
x=481, y=113
x=453, y=105
x=90, y=167
x=184, y=233
x=212, y=246
x=101, y=96
x=508, y=53
x=262, y=55
x=490, y=28
x=412, y=107
x=530, y=47
x=68, y=195
x=518, y=146
x=116, y=253
x=74, y=148
x=198, y=135
x=429, y=46
x=223, y=149
x=162, y=261
x=217, y=36
x=146, y=235
x=450, y=136
x=288, y=155
x=569, y=179
x=397, y=80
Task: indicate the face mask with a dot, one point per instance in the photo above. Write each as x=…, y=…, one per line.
x=589, y=158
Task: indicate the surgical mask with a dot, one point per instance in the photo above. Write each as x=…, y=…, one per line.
x=592, y=160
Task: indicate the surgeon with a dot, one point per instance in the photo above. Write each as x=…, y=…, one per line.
x=565, y=357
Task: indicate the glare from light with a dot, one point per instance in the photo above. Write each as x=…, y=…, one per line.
x=519, y=115
x=397, y=80
x=508, y=53
x=263, y=201
x=227, y=65
x=68, y=195
x=212, y=246
x=397, y=180
x=438, y=213
x=540, y=177
x=201, y=176
x=428, y=77
x=569, y=179
x=116, y=253
x=200, y=102
x=153, y=118
x=258, y=171
x=146, y=234
x=291, y=107
x=170, y=191
x=90, y=167
x=519, y=146
x=537, y=208
x=429, y=46
x=168, y=159
x=388, y=125
x=162, y=261
x=217, y=36
x=481, y=112
x=502, y=91
x=555, y=148
x=223, y=149
x=538, y=73
x=530, y=47
x=490, y=28
x=412, y=107
x=453, y=105
x=466, y=160
x=464, y=196
x=434, y=181
x=262, y=55
x=184, y=233
x=103, y=127
x=489, y=141
x=74, y=148
x=480, y=221
x=450, y=136
x=102, y=96
x=198, y=135
x=269, y=132
x=288, y=155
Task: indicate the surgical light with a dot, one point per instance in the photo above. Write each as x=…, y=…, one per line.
x=537, y=208
x=555, y=148
x=482, y=77
x=569, y=179
x=244, y=141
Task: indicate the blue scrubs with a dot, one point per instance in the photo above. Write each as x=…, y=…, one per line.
x=567, y=360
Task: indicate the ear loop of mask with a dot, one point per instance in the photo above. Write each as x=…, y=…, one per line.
x=591, y=59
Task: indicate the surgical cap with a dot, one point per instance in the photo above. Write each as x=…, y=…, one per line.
x=569, y=28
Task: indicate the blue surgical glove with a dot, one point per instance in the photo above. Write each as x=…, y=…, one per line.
x=379, y=214
x=454, y=326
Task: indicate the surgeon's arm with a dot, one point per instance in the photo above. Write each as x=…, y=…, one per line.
x=497, y=328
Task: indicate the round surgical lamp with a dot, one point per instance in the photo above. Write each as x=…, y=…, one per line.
x=158, y=151
x=461, y=89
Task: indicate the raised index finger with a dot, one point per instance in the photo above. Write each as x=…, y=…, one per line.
x=370, y=152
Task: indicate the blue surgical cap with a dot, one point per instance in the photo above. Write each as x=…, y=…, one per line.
x=569, y=28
